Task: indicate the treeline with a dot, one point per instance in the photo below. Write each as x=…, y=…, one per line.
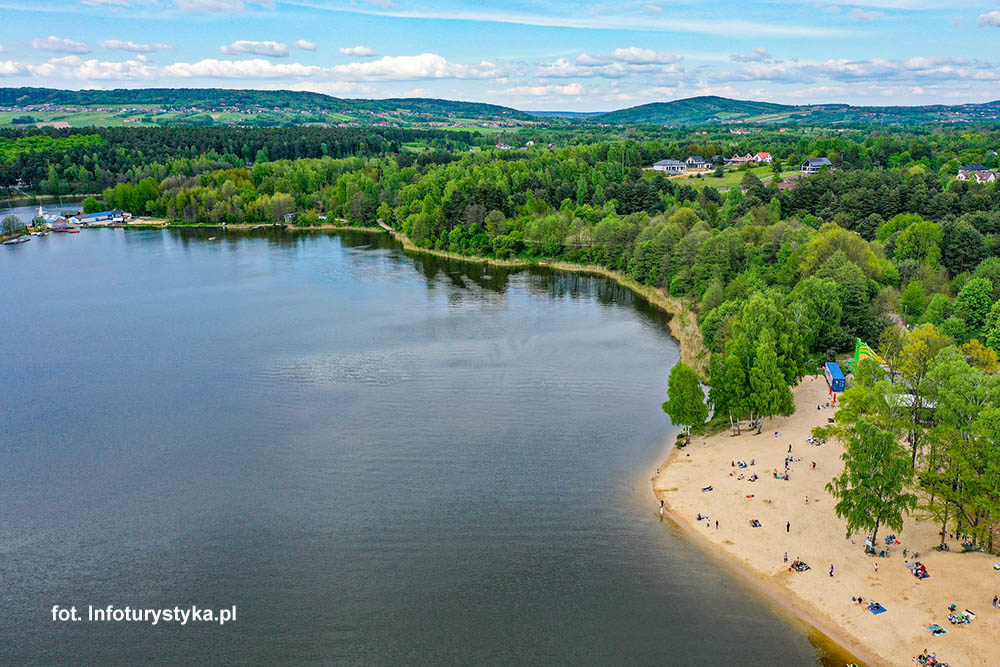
x=86, y=161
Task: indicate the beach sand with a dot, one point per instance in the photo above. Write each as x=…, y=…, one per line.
x=817, y=536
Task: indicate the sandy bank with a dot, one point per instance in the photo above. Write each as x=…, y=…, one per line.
x=816, y=536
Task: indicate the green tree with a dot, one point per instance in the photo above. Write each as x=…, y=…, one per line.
x=916, y=361
x=973, y=304
x=91, y=205
x=685, y=403
x=920, y=241
x=871, y=492
x=11, y=224
x=770, y=394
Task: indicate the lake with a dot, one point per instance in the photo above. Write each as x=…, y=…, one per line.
x=377, y=458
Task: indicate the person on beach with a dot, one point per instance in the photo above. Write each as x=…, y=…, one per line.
x=807, y=500
x=716, y=524
x=788, y=526
x=831, y=569
x=876, y=567
x=994, y=597
x=789, y=448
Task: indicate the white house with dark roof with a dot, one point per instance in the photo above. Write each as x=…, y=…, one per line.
x=670, y=166
x=697, y=162
x=814, y=165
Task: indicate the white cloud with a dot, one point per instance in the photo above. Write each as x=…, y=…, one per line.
x=80, y=69
x=990, y=19
x=569, y=89
x=401, y=68
x=763, y=72
x=632, y=55
x=637, y=56
x=334, y=88
x=269, y=49
x=592, y=66
x=359, y=52
x=659, y=92
x=755, y=56
x=862, y=15
x=423, y=66
x=117, y=3
x=220, y=6
x=118, y=45
x=59, y=45
x=418, y=92
x=381, y=3
x=256, y=68
x=304, y=45
x=653, y=9
x=720, y=91
x=10, y=68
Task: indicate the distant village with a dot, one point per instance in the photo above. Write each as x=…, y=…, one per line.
x=697, y=164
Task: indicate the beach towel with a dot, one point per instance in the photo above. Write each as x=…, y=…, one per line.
x=937, y=630
x=877, y=608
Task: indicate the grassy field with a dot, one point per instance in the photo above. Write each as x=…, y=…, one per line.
x=732, y=178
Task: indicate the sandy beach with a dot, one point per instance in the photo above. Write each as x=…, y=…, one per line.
x=811, y=532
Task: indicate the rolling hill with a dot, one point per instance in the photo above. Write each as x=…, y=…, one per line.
x=711, y=109
x=222, y=106
x=276, y=101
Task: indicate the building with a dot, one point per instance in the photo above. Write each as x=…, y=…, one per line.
x=741, y=159
x=762, y=158
x=814, y=165
x=503, y=147
x=698, y=162
x=670, y=166
x=977, y=173
x=115, y=216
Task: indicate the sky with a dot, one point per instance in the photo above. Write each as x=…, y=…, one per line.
x=545, y=55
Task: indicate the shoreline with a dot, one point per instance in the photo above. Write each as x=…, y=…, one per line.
x=791, y=608
x=817, y=536
x=683, y=322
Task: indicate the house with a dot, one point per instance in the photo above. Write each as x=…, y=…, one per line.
x=503, y=147
x=814, y=165
x=741, y=159
x=698, y=162
x=762, y=158
x=670, y=166
x=787, y=184
x=977, y=173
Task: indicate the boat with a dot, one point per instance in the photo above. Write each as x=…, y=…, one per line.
x=18, y=241
x=211, y=238
x=72, y=231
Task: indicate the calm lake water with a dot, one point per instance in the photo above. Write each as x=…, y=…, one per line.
x=377, y=458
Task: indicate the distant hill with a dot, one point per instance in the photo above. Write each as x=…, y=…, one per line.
x=565, y=114
x=215, y=99
x=692, y=110
x=712, y=109
x=143, y=107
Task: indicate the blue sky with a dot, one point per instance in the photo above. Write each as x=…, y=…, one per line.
x=583, y=56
